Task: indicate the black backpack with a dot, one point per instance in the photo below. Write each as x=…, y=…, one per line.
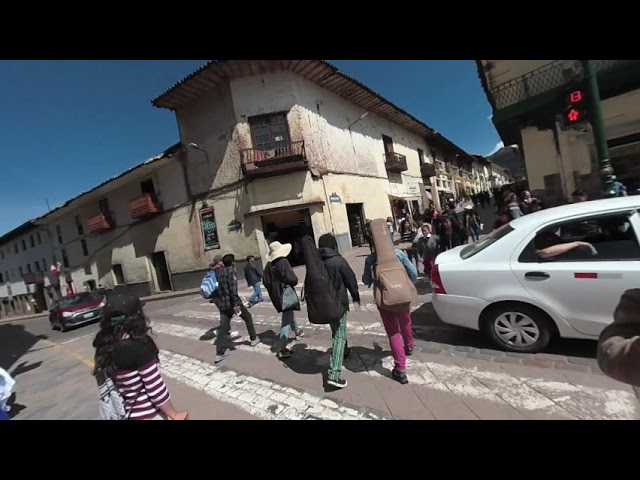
x=324, y=305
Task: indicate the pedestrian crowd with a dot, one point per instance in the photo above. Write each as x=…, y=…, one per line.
x=130, y=383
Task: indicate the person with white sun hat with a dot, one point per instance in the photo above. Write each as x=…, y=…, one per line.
x=280, y=281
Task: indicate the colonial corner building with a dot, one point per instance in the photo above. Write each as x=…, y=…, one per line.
x=269, y=150
x=540, y=106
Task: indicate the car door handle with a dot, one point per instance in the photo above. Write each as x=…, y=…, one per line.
x=537, y=275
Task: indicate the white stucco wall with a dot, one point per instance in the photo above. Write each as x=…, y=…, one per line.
x=322, y=120
x=131, y=241
x=11, y=263
x=353, y=158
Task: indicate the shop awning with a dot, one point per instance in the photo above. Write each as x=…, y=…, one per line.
x=404, y=196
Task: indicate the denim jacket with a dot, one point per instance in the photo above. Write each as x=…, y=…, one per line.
x=367, y=276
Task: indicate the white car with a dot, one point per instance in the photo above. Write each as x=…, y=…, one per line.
x=507, y=286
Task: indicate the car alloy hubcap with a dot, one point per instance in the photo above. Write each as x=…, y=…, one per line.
x=516, y=329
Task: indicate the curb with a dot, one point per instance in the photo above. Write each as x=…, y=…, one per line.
x=23, y=317
x=182, y=293
x=150, y=299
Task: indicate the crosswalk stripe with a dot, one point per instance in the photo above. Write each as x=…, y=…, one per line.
x=275, y=320
x=261, y=398
x=269, y=303
x=524, y=393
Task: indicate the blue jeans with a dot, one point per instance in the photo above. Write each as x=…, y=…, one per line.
x=288, y=323
x=475, y=233
x=257, y=293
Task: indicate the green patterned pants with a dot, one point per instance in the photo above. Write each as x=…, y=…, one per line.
x=339, y=344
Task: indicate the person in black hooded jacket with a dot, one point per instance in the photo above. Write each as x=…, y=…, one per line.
x=343, y=279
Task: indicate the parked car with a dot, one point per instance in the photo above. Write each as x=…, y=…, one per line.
x=76, y=309
x=507, y=286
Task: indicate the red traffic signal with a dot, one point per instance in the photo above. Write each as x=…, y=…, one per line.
x=574, y=115
x=575, y=111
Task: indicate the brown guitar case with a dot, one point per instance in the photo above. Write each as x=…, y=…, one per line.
x=395, y=291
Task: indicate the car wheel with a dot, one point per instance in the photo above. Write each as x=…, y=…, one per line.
x=53, y=325
x=63, y=327
x=519, y=327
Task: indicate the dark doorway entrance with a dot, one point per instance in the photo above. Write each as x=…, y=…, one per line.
x=41, y=302
x=355, y=215
x=288, y=227
x=163, y=276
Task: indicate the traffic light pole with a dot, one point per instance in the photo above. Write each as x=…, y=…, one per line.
x=599, y=135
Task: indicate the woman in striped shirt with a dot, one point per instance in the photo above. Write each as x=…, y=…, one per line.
x=126, y=352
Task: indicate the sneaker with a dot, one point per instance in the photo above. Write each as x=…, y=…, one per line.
x=254, y=341
x=347, y=354
x=340, y=383
x=400, y=377
x=221, y=357
x=299, y=334
x=408, y=351
x=209, y=335
x=284, y=353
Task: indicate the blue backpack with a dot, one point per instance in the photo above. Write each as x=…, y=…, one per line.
x=209, y=285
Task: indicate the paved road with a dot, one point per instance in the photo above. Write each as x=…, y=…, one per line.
x=455, y=380
x=454, y=373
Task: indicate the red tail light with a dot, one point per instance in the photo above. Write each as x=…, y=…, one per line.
x=436, y=281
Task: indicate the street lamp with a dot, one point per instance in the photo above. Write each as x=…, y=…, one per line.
x=197, y=147
x=599, y=135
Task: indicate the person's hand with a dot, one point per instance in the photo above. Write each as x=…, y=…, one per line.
x=587, y=246
x=180, y=416
x=237, y=309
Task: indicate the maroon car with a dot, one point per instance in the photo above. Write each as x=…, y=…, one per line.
x=76, y=309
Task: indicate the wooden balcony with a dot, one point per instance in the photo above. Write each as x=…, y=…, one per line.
x=427, y=170
x=395, y=163
x=144, y=206
x=100, y=223
x=286, y=158
x=33, y=278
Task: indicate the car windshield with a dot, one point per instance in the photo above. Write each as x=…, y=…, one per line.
x=76, y=300
x=471, y=250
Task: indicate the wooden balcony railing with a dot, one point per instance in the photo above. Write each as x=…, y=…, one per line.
x=285, y=158
x=427, y=170
x=100, y=223
x=144, y=206
x=395, y=162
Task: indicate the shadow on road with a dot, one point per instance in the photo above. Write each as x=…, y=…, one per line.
x=428, y=327
x=310, y=361
x=15, y=342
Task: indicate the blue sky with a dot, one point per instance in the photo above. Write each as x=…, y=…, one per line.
x=66, y=126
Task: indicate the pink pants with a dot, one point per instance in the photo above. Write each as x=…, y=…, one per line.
x=428, y=265
x=398, y=327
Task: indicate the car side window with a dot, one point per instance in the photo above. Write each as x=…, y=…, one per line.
x=612, y=236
